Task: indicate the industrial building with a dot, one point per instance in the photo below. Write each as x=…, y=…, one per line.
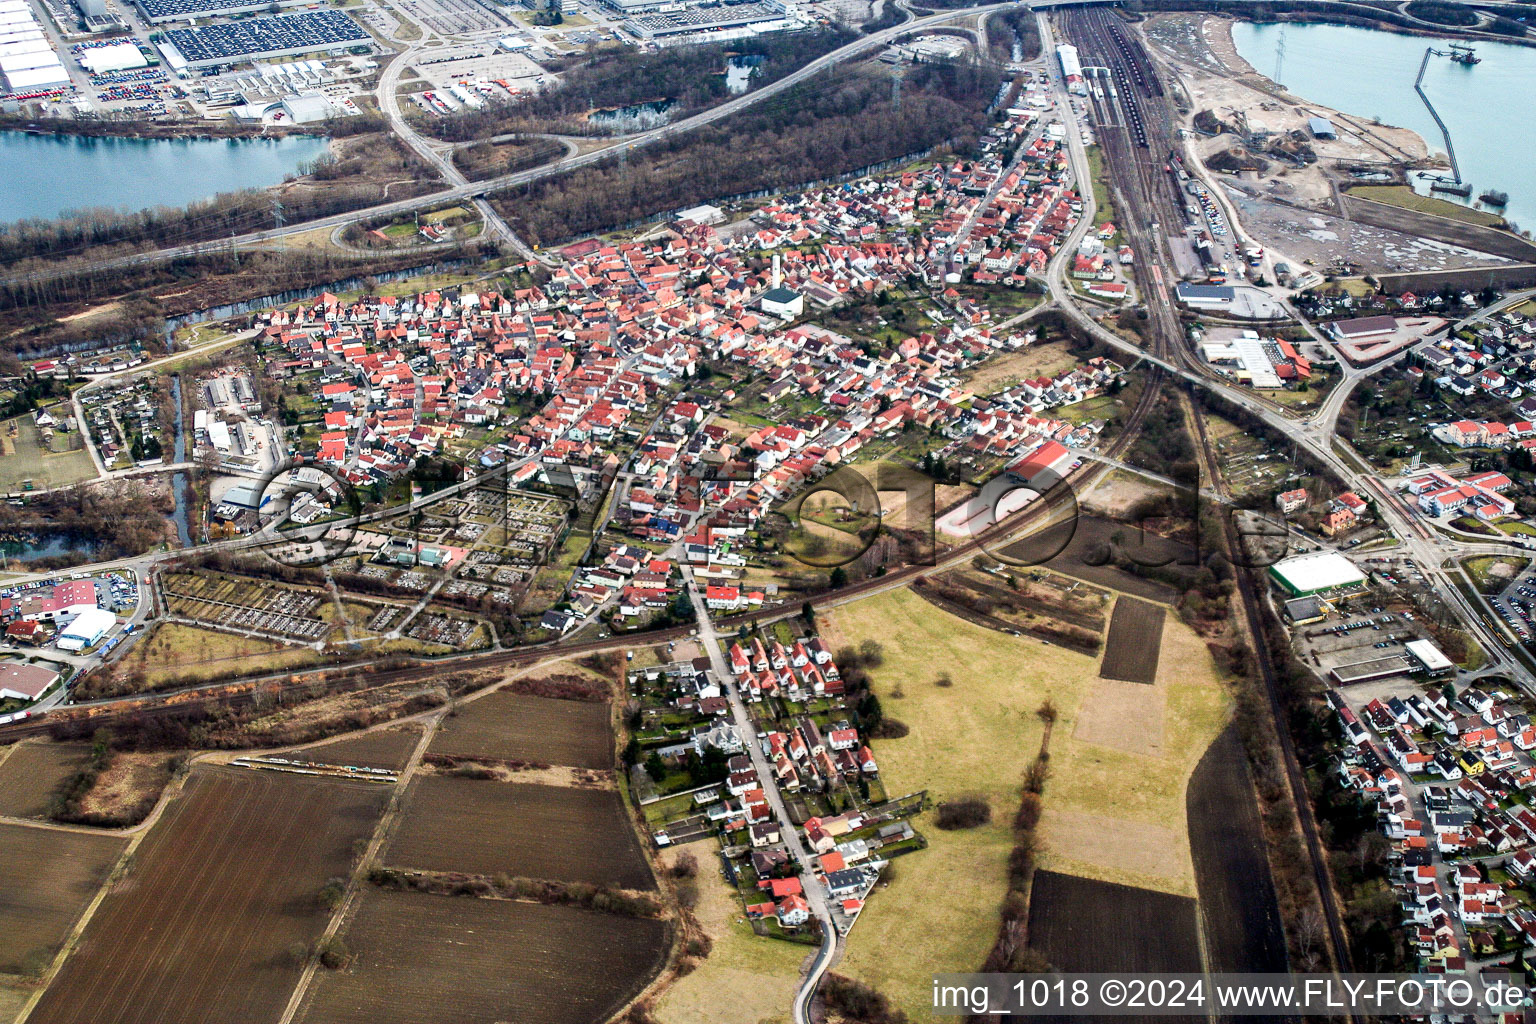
x=1321, y=128
x=1319, y=572
x=87, y=629
x=1071, y=68
x=785, y=303
x=102, y=60
x=1429, y=656
x=1205, y=296
x=724, y=22
x=1376, y=668
x=25, y=682
x=1254, y=360
x=28, y=64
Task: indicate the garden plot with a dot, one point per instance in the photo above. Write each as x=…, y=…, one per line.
x=247, y=606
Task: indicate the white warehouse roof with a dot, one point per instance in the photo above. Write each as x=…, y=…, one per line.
x=37, y=78
x=117, y=57
x=1318, y=570
x=86, y=628
x=1429, y=655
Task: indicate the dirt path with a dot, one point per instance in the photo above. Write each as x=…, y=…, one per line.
x=381, y=833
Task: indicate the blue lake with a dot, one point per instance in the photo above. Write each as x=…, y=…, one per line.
x=48, y=175
x=1369, y=74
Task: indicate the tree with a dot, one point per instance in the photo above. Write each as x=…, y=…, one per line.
x=654, y=767
x=839, y=577
x=334, y=953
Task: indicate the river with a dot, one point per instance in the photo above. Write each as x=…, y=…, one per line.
x=1369, y=73
x=48, y=175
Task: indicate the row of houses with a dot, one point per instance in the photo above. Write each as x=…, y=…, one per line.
x=1480, y=808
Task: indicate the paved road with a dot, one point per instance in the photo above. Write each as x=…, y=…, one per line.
x=815, y=896
x=478, y=190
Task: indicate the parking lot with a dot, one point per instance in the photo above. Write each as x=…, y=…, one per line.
x=1516, y=604
x=455, y=17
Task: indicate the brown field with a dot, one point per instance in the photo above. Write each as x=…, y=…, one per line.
x=48, y=876
x=200, y=929
x=1082, y=925
x=502, y=726
x=1135, y=635
x=383, y=748
x=488, y=828
x=32, y=773
x=1226, y=839
x=475, y=961
x=127, y=791
x=1086, y=548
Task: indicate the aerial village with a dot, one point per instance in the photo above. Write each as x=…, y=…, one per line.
x=696, y=775
x=625, y=361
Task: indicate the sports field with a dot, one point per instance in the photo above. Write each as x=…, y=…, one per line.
x=1121, y=754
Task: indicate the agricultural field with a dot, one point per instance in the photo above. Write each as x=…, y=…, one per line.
x=1135, y=634
x=1082, y=925
x=1114, y=805
x=512, y=726
x=1096, y=550
x=228, y=877
x=48, y=876
x=173, y=654
x=480, y=961
x=33, y=772
x=520, y=829
x=25, y=457
x=1238, y=909
x=382, y=748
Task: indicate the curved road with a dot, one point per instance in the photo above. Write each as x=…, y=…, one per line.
x=476, y=191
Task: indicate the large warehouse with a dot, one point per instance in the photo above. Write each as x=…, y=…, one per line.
x=1320, y=572
x=87, y=629
x=28, y=63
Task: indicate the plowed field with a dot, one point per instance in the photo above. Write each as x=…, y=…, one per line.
x=503, y=726
x=473, y=961
x=521, y=829
x=200, y=928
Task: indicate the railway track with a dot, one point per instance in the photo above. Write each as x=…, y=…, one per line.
x=1252, y=610
x=240, y=693
x=1137, y=151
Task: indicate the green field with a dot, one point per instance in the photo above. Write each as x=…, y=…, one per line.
x=1121, y=754
x=1408, y=199
x=25, y=458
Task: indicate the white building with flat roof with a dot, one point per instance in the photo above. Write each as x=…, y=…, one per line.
x=1316, y=572
x=86, y=629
